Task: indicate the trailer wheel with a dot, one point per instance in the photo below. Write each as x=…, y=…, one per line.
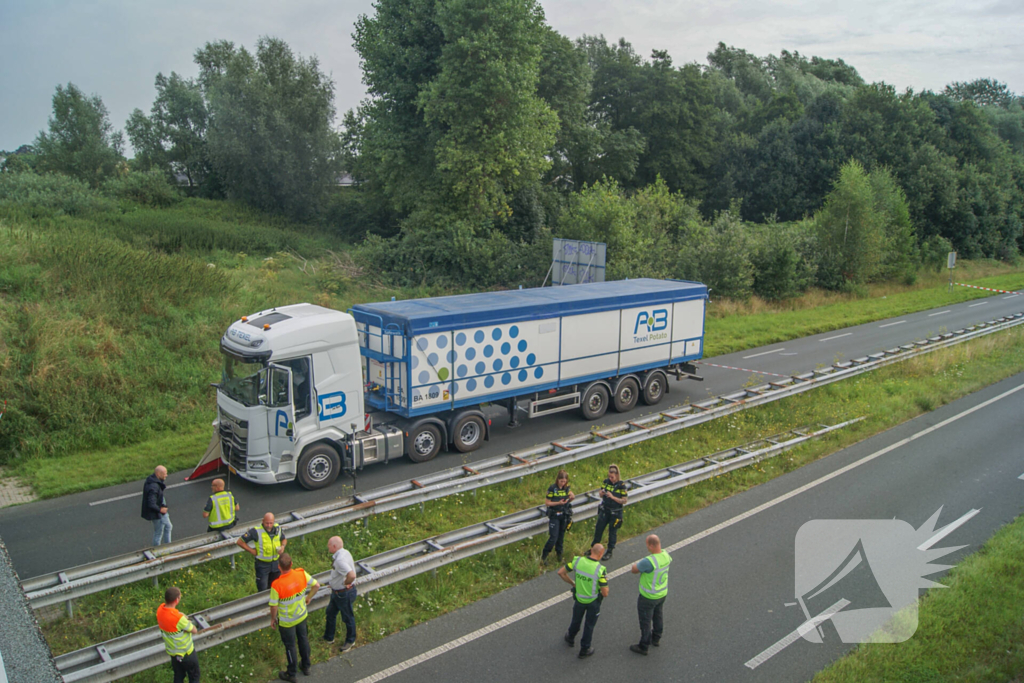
x=318, y=467
x=626, y=394
x=424, y=443
x=468, y=434
x=654, y=389
x=595, y=402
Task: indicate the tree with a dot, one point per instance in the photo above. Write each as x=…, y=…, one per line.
x=454, y=120
x=984, y=92
x=850, y=236
x=270, y=138
x=81, y=142
x=173, y=137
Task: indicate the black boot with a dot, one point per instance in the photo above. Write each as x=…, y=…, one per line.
x=607, y=555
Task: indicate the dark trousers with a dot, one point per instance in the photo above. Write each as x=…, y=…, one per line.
x=610, y=519
x=592, y=611
x=186, y=665
x=266, y=574
x=556, y=534
x=650, y=610
x=223, y=528
x=289, y=635
x=341, y=601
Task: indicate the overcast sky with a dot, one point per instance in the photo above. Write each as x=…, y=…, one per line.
x=114, y=48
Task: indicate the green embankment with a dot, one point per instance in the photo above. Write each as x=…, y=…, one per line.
x=886, y=397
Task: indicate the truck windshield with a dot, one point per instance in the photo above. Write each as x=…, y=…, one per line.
x=241, y=380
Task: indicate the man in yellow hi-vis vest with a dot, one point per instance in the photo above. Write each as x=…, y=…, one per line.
x=220, y=507
x=653, y=571
x=589, y=588
x=177, y=631
x=269, y=542
x=289, y=596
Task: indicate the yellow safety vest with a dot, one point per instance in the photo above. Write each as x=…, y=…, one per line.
x=222, y=513
x=267, y=545
x=176, y=630
x=654, y=585
x=288, y=593
x=588, y=579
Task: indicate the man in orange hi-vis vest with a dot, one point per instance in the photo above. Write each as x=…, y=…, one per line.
x=177, y=632
x=289, y=596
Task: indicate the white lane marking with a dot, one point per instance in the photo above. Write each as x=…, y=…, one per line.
x=947, y=530
x=980, y=303
x=838, y=336
x=939, y=313
x=1011, y=296
x=898, y=322
x=136, y=495
x=1021, y=476
x=791, y=353
x=764, y=353
x=518, y=616
x=796, y=635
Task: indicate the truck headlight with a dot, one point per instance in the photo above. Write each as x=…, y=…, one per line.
x=257, y=465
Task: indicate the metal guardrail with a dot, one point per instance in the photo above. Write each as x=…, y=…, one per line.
x=57, y=587
x=144, y=649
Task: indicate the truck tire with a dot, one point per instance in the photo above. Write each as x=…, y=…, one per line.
x=654, y=388
x=318, y=466
x=627, y=392
x=468, y=434
x=595, y=402
x=424, y=442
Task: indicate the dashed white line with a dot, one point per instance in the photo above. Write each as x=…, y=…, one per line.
x=1012, y=296
x=838, y=336
x=1021, y=476
x=763, y=353
x=980, y=303
x=939, y=313
x=529, y=611
x=796, y=634
x=947, y=530
x=898, y=322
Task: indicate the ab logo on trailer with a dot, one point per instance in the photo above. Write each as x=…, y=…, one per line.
x=652, y=324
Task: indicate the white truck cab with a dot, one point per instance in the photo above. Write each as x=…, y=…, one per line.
x=292, y=379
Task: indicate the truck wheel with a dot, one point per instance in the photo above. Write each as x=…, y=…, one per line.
x=424, y=443
x=654, y=389
x=626, y=395
x=318, y=466
x=468, y=434
x=595, y=402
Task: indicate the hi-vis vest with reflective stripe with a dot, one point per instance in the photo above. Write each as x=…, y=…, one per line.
x=654, y=585
x=173, y=625
x=267, y=545
x=223, y=512
x=588, y=576
x=289, y=594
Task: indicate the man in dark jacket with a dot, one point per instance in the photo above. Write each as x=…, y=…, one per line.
x=154, y=506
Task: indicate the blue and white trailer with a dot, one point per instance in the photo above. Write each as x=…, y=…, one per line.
x=308, y=392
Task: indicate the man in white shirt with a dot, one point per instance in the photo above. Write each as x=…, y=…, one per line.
x=343, y=593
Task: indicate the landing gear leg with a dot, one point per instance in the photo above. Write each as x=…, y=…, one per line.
x=513, y=413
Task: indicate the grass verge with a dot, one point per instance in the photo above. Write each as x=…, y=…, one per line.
x=887, y=397
x=969, y=632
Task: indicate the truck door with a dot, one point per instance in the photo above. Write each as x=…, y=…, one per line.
x=280, y=413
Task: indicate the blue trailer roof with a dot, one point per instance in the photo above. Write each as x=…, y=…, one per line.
x=415, y=316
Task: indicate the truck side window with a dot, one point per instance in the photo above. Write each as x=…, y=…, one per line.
x=302, y=388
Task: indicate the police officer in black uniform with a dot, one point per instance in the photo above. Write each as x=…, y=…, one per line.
x=609, y=514
x=559, y=503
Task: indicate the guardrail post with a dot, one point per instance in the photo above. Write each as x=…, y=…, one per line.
x=71, y=609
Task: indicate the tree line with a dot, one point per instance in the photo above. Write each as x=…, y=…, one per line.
x=485, y=132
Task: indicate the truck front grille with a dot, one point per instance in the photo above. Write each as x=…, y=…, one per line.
x=234, y=441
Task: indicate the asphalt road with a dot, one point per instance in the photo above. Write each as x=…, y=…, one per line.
x=56, y=534
x=731, y=588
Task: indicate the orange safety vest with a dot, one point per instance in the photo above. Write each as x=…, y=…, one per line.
x=176, y=641
x=291, y=594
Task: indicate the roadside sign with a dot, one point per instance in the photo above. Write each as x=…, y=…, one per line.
x=575, y=262
x=951, y=260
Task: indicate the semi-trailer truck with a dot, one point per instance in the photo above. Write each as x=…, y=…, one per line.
x=308, y=392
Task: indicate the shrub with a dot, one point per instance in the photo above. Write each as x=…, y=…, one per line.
x=781, y=269
x=48, y=193
x=149, y=188
x=934, y=251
